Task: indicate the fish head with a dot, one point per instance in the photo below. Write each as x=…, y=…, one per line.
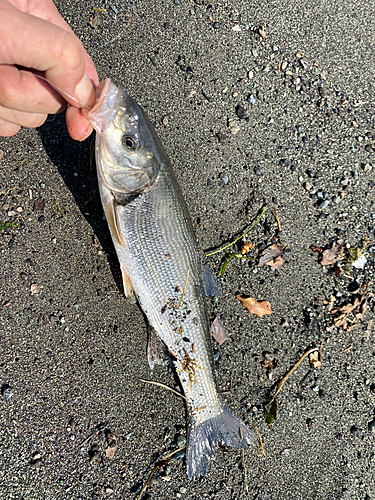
x=126, y=144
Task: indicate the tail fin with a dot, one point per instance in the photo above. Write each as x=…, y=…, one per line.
x=203, y=438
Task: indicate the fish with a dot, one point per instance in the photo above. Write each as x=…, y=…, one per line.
x=161, y=264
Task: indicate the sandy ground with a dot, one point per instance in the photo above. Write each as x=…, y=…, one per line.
x=72, y=349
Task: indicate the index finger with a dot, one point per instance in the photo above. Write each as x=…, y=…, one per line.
x=38, y=44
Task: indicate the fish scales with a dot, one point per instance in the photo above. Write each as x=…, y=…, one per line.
x=161, y=256
x=161, y=264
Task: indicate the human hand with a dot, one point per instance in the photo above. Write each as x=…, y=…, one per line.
x=34, y=39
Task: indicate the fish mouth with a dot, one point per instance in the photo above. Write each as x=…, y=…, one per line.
x=104, y=110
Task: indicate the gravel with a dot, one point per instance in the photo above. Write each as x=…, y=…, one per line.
x=76, y=349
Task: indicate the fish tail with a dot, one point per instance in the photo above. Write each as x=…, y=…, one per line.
x=203, y=438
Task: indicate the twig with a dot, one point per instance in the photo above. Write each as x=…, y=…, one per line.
x=242, y=235
x=347, y=349
x=261, y=442
x=332, y=299
x=321, y=353
x=244, y=469
x=88, y=438
x=159, y=463
x=184, y=290
x=163, y=386
x=276, y=215
x=285, y=378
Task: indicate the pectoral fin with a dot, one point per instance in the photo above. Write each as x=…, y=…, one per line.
x=128, y=287
x=110, y=213
x=211, y=285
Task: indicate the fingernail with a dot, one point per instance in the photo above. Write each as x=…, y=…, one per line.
x=87, y=134
x=84, y=92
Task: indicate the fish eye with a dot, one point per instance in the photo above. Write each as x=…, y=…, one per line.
x=129, y=142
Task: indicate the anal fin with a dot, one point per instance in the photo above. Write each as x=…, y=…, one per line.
x=157, y=353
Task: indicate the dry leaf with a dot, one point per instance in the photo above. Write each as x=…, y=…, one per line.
x=270, y=254
x=34, y=289
x=39, y=205
x=254, y=307
x=276, y=263
x=94, y=21
x=112, y=445
x=219, y=333
x=314, y=360
x=246, y=247
x=333, y=255
x=358, y=308
x=316, y=249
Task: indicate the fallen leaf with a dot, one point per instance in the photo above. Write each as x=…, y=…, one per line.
x=271, y=253
x=314, y=360
x=333, y=255
x=254, y=307
x=112, y=445
x=34, y=289
x=39, y=205
x=358, y=309
x=246, y=247
x=94, y=21
x=276, y=263
x=316, y=249
x=219, y=333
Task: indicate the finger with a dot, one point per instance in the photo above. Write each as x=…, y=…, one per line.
x=21, y=118
x=25, y=91
x=45, y=9
x=8, y=129
x=53, y=50
x=78, y=126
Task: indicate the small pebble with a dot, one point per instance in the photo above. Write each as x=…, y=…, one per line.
x=241, y=112
x=216, y=25
x=251, y=99
x=181, y=441
x=6, y=392
x=182, y=489
x=41, y=219
x=224, y=179
x=324, y=204
x=355, y=431
x=233, y=127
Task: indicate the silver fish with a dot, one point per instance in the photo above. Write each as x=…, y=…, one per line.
x=160, y=263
